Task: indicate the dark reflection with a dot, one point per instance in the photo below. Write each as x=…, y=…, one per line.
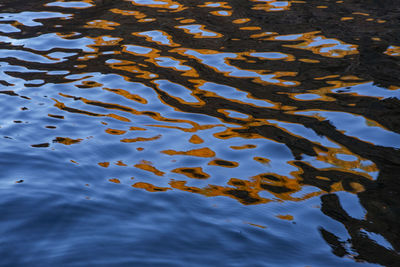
x=290, y=79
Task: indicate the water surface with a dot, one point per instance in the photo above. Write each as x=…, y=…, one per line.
x=198, y=133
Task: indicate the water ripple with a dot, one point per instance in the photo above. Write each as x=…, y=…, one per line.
x=235, y=133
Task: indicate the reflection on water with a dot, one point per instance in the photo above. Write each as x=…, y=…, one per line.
x=285, y=113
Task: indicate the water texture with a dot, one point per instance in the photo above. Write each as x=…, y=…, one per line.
x=197, y=133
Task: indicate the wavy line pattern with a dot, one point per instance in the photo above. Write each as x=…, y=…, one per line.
x=257, y=101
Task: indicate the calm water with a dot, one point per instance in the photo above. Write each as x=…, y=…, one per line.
x=196, y=133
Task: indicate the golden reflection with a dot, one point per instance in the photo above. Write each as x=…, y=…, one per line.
x=244, y=196
x=346, y=18
x=318, y=44
x=132, y=67
x=285, y=217
x=117, y=117
x=393, y=50
x=220, y=62
x=102, y=24
x=56, y=116
x=195, y=128
x=163, y=4
x=134, y=128
x=224, y=163
x=357, y=187
x=257, y=225
x=149, y=187
x=88, y=84
x=140, y=139
x=115, y=131
x=307, y=60
x=115, y=180
x=234, y=132
x=105, y=40
x=272, y=5
x=120, y=163
x=250, y=28
x=221, y=13
x=262, y=160
x=283, y=188
x=241, y=21
x=104, y=164
x=195, y=139
x=199, y=31
x=128, y=95
x=153, y=115
x=332, y=156
x=148, y=166
x=248, y=146
x=216, y=5
x=138, y=15
x=360, y=13
x=200, y=152
x=192, y=172
x=263, y=34
x=66, y=140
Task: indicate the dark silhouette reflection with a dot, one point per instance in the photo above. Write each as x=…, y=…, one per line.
x=281, y=73
x=381, y=218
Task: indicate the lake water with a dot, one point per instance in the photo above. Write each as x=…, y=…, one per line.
x=198, y=133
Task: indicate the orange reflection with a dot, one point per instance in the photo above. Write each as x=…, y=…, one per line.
x=248, y=146
x=285, y=217
x=192, y=172
x=201, y=152
x=221, y=63
x=272, y=5
x=140, y=139
x=283, y=188
x=147, y=166
x=66, y=141
x=150, y=187
x=224, y=163
x=128, y=95
x=104, y=164
x=262, y=160
x=115, y=131
x=216, y=5
x=241, y=21
x=164, y=4
x=393, y=50
x=115, y=180
x=244, y=196
x=195, y=139
x=138, y=15
x=120, y=163
x=318, y=44
x=102, y=24
x=199, y=31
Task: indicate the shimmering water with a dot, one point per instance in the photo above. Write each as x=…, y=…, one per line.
x=197, y=133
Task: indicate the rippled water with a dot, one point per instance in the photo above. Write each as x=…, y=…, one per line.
x=196, y=133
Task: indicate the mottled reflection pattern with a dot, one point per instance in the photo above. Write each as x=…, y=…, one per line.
x=199, y=133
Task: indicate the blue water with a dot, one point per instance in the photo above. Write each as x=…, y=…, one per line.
x=174, y=133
